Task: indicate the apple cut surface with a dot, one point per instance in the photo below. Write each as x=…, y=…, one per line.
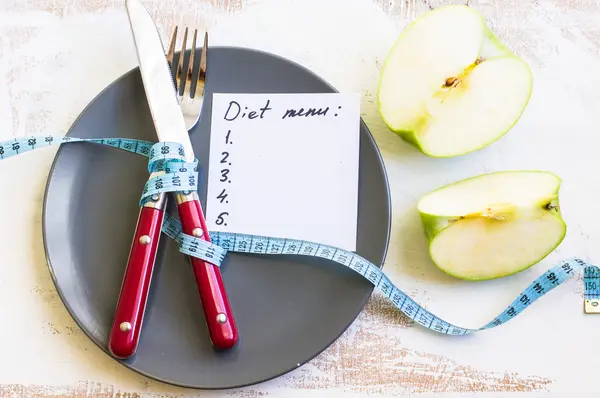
x=493, y=225
x=449, y=86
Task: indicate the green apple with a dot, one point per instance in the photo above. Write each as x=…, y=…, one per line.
x=493, y=225
x=449, y=86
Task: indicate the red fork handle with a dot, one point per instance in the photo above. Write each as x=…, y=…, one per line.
x=128, y=318
x=215, y=303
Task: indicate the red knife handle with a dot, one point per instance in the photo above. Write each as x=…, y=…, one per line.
x=215, y=303
x=128, y=318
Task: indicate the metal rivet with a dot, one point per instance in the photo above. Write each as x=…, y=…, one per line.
x=198, y=232
x=155, y=197
x=221, y=318
x=125, y=326
x=145, y=239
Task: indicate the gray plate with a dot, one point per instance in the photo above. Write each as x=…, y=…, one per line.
x=288, y=309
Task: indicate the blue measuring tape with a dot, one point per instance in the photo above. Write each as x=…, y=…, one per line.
x=178, y=175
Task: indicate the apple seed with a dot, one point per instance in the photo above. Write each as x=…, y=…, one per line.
x=450, y=81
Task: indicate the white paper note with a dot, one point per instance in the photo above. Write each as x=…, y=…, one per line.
x=285, y=165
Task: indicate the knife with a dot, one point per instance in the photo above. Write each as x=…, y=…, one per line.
x=170, y=127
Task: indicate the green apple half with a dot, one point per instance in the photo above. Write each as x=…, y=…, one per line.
x=449, y=86
x=493, y=225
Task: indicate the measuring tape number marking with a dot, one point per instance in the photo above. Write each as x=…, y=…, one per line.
x=175, y=175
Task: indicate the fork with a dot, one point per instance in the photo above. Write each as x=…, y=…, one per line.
x=189, y=102
x=224, y=333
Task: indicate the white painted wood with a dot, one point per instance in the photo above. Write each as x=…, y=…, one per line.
x=56, y=56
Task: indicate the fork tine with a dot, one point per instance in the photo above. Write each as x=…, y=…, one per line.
x=180, y=73
x=170, y=55
x=202, y=70
x=190, y=71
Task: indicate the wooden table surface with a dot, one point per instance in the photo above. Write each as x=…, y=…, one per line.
x=55, y=56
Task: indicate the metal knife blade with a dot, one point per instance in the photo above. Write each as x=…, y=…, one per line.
x=157, y=80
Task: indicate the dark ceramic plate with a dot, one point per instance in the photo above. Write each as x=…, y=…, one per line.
x=288, y=309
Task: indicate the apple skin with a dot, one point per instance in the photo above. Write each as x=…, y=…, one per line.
x=491, y=47
x=433, y=225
